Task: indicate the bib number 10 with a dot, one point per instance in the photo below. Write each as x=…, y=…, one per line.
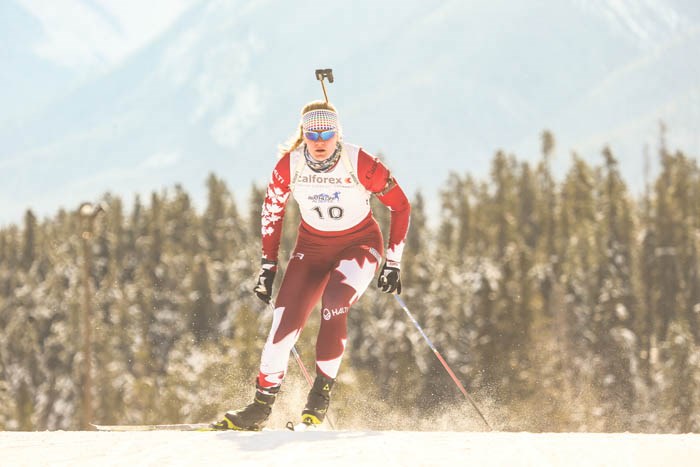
x=334, y=212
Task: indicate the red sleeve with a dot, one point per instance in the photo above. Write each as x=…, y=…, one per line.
x=273, y=208
x=377, y=179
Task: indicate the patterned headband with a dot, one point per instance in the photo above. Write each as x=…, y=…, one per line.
x=320, y=119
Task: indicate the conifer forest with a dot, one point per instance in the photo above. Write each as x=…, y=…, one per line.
x=561, y=303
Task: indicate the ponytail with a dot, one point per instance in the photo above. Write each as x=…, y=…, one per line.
x=292, y=143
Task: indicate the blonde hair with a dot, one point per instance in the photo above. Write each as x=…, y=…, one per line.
x=297, y=138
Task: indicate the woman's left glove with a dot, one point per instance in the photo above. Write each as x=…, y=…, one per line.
x=263, y=289
x=390, y=277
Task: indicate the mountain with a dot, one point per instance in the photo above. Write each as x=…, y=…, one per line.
x=434, y=86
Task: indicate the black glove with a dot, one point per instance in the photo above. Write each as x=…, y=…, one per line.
x=263, y=289
x=390, y=277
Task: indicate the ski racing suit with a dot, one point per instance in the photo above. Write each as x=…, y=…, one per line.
x=338, y=250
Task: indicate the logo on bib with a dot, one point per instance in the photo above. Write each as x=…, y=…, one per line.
x=314, y=178
x=325, y=198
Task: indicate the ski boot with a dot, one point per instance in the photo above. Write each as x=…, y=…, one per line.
x=253, y=416
x=317, y=403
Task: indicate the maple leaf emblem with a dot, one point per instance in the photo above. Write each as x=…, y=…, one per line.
x=357, y=276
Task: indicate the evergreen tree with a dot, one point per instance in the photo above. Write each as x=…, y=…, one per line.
x=10, y=261
x=561, y=345
x=667, y=227
x=29, y=242
x=181, y=225
x=680, y=380
x=203, y=316
x=222, y=226
x=414, y=266
x=548, y=187
x=449, y=214
x=613, y=318
x=526, y=301
x=510, y=325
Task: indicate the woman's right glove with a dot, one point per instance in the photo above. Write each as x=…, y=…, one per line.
x=263, y=289
x=390, y=277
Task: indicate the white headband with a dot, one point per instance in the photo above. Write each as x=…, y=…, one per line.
x=320, y=119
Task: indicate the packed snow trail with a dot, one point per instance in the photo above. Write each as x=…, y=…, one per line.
x=352, y=448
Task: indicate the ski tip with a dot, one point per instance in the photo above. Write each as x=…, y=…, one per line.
x=303, y=426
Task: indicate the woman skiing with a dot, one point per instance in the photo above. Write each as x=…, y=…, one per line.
x=338, y=250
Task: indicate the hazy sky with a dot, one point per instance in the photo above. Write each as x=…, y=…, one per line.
x=96, y=35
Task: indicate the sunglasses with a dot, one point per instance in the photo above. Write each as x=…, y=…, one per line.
x=323, y=135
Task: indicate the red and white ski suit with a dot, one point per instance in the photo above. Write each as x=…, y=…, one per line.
x=338, y=250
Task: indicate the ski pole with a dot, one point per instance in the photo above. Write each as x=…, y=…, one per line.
x=442, y=360
x=301, y=365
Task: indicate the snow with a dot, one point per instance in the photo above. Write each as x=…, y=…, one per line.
x=357, y=448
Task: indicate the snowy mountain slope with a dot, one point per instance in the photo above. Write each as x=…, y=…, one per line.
x=668, y=81
x=644, y=23
x=350, y=448
x=419, y=81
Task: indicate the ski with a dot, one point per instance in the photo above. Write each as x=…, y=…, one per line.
x=302, y=426
x=170, y=427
